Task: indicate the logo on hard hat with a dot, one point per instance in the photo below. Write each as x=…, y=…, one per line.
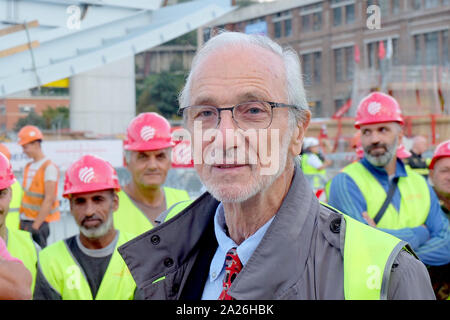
x=86, y=174
x=147, y=133
x=32, y=133
x=374, y=108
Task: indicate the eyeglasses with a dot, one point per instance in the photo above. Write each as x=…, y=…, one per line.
x=246, y=115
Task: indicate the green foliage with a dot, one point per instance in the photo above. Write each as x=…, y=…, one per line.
x=186, y=39
x=31, y=119
x=52, y=118
x=159, y=93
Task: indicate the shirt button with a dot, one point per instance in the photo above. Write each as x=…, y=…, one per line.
x=214, y=275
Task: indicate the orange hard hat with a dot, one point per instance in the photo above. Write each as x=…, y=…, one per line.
x=442, y=150
x=4, y=149
x=88, y=174
x=148, y=131
x=6, y=173
x=378, y=107
x=29, y=134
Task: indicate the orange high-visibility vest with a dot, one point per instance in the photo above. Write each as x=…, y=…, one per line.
x=34, y=196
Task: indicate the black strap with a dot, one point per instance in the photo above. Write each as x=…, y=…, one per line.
x=388, y=199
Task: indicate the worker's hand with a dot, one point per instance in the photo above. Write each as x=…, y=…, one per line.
x=368, y=219
x=36, y=225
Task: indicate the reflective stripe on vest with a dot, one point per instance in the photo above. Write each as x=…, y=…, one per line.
x=35, y=194
x=368, y=257
x=67, y=278
x=415, y=198
x=21, y=246
x=131, y=219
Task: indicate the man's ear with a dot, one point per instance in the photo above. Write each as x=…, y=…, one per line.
x=299, y=133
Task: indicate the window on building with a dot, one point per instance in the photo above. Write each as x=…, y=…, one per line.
x=26, y=108
x=350, y=14
x=417, y=50
x=338, y=103
x=431, y=48
x=277, y=29
x=307, y=68
x=306, y=22
x=445, y=56
x=317, y=21
x=372, y=53
x=337, y=16
x=338, y=64
x=317, y=67
x=349, y=63
x=416, y=4
x=316, y=108
x=431, y=4
x=2, y=109
x=287, y=27
x=395, y=6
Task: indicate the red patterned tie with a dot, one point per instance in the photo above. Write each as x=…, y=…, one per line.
x=232, y=267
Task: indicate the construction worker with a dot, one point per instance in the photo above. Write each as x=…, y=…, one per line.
x=440, y=178
x=260, y=233
x=15, y=279
x=313, y=164
x=440, y=175
x=19, y=243
x=12, y=219
x=380, y=191
x=40, y=203
x=416, y=160
x=148, y=159
x=87, y=266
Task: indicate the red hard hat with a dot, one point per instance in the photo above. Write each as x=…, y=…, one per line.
x=29, y=134
x=148, y=131
x=402, y=153
x=89, y=174
x=378, y=107
x=442, y=150
x=6, y=173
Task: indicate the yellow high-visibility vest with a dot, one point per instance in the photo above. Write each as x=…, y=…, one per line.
x=131, y=219
x=21, y=246
x=415, y=198
x=66, y=276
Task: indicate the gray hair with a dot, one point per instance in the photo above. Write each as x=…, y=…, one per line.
x=127, y=154
x=294, y=89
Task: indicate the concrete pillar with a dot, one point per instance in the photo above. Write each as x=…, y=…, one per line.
x=103, y=101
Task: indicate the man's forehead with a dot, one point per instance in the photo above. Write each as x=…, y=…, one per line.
x=442, y=162
x=91, y=194
x=373, y=126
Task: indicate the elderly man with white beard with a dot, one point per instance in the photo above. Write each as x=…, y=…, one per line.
x=87, y=266
x=381, y=191
x=260, y=232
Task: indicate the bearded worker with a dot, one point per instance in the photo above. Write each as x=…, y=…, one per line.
x=380, y=191
x=260, y=232
x=87, y=266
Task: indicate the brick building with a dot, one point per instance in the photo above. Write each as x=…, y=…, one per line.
x=13, y=108
x=332, y=35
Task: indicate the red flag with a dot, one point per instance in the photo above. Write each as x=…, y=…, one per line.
x=381, y=51
x=357, y=54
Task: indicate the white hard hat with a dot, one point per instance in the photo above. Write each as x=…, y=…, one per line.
x=309, y=142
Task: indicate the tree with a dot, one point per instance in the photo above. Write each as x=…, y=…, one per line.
x=31, y=119
x=159, y=93
x=52, y=118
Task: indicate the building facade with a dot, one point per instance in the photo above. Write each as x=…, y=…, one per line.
x=351, y=47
